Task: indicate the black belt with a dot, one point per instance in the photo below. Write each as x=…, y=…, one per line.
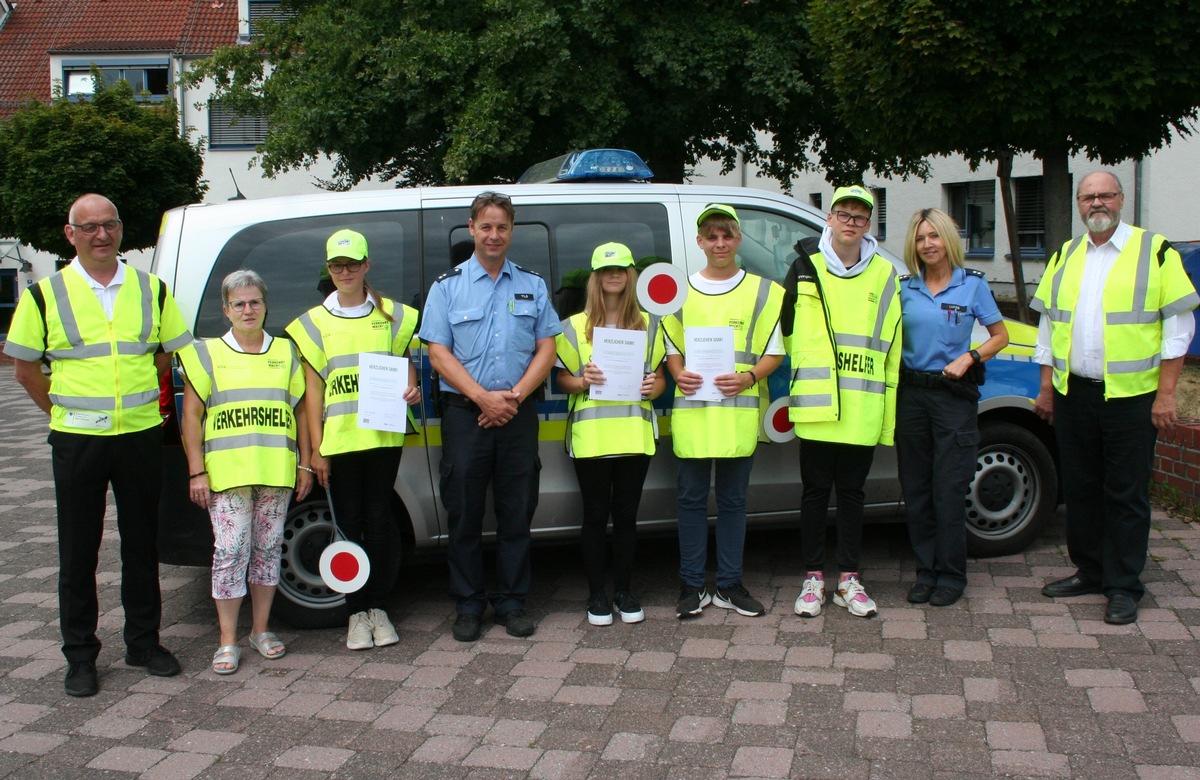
x=922, y=378
x=461, y=401
x=1085, y=379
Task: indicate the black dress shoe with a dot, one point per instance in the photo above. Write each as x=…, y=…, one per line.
x=919, y=593
x=81, y=679
x=517, y=623
x=1075, y=585
x=944, y=596
x=1122, y=610
x=158, y=661
x=466, y=628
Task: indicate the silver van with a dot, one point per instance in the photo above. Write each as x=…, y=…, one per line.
x=415, y=235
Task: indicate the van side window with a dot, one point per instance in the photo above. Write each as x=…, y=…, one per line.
x=289, y=254
x=768, y=239
x=553, y=240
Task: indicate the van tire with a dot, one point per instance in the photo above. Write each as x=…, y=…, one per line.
x=1014, y=491
x=303, y=600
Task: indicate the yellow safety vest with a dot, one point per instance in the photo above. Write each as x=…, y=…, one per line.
x=845, y=348
x=249, y=423
x=331, y=345
x=1146, y=284
x=728, y=428
x=599, y=428
x=103, y=380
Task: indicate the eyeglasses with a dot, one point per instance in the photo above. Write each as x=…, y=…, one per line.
x=1103, y=197
x=846, y=218
x=240, y=306
x=92, y=228
x=337, y=268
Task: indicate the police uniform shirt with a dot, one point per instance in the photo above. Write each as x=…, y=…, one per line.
x=937, y=328
x=492, y=327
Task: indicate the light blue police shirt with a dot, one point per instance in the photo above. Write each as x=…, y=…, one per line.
x=492, y=327
x=937, y=328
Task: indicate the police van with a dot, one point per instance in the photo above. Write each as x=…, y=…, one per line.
x=583, y=200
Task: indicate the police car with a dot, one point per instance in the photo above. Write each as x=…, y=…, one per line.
x=564, y=209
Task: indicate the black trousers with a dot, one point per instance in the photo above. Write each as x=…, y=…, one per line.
x=610, y=486
x=824, y=464
x=361, y=485
x=937, y=441
x=1107, y=453
x=84, y=467
x=506, y=458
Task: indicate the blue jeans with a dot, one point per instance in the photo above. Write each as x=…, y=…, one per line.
x=695, y=476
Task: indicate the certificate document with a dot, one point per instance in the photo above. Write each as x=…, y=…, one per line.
x=381, y=383
x=709, y=353
x=621, y=355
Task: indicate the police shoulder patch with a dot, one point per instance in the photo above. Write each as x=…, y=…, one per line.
x=448, y=274
x=905, y=277
x=973, y=272
x=526, y=270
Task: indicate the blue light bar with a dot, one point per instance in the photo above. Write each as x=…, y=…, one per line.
x=589, y=165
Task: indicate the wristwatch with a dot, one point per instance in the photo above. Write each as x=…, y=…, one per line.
x=975, y=356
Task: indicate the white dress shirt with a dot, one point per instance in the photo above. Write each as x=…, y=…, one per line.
x=105, y=293
x=1087, y=324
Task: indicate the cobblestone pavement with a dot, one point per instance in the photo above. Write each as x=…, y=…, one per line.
x=1006, y=682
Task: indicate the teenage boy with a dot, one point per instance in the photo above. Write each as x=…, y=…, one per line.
x=721, y=433
x=841, y=324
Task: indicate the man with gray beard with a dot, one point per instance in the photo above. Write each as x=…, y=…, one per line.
x=1116, y=322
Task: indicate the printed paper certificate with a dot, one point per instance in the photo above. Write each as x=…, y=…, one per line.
x=621, y=355
x=709, y=353
x=381, y=383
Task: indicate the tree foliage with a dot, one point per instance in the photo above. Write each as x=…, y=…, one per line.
x=433, y=91
x=111, y=144
x=983, y=78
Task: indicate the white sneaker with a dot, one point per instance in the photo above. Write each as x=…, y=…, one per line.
x=853, y=596
x=382, y=631
x=359, y=636
x=811, y=598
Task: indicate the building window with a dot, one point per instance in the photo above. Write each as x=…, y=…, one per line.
x=230, y=130
x=973, y=206
x=880, y=212
x=1031, y=213
x=265, y=9
x=814, y=199
x=150, y=77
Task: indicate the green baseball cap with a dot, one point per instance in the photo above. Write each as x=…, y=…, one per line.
x=854, y=192
x=612, y=255
x=347, y=244
x=717, y=208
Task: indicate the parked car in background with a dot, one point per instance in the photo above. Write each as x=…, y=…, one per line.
x=413, y=233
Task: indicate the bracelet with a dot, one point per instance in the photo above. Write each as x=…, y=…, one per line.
x=197, y=474
x=306, y=468
x=975, y=356
x=752, y=375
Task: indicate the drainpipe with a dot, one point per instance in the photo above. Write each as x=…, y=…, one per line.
x=1137, y=191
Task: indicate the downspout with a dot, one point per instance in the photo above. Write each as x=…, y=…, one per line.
x=1137, y=191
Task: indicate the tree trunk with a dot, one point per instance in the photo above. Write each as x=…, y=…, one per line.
x=1059, y=197
x=1004, y=173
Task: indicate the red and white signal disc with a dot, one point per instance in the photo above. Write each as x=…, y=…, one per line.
x=662, y=288
x=344, y=567
x=776, y=424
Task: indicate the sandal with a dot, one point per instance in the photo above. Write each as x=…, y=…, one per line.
x=227, y=654
x=268, y=645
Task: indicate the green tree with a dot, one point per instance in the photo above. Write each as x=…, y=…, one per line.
x=991, y=78
x=112, y=144
x=434, y=92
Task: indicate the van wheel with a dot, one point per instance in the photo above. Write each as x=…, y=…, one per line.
x=303, y=600
x=1014, y=491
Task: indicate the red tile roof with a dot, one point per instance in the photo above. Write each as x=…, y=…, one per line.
x=37, y=28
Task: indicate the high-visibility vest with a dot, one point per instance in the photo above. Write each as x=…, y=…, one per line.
x=331, y=345
x=1147, y=283
x=729, y=428
x=249, y=422
x=845, y=351
x=100, y=369
x=600, y=428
